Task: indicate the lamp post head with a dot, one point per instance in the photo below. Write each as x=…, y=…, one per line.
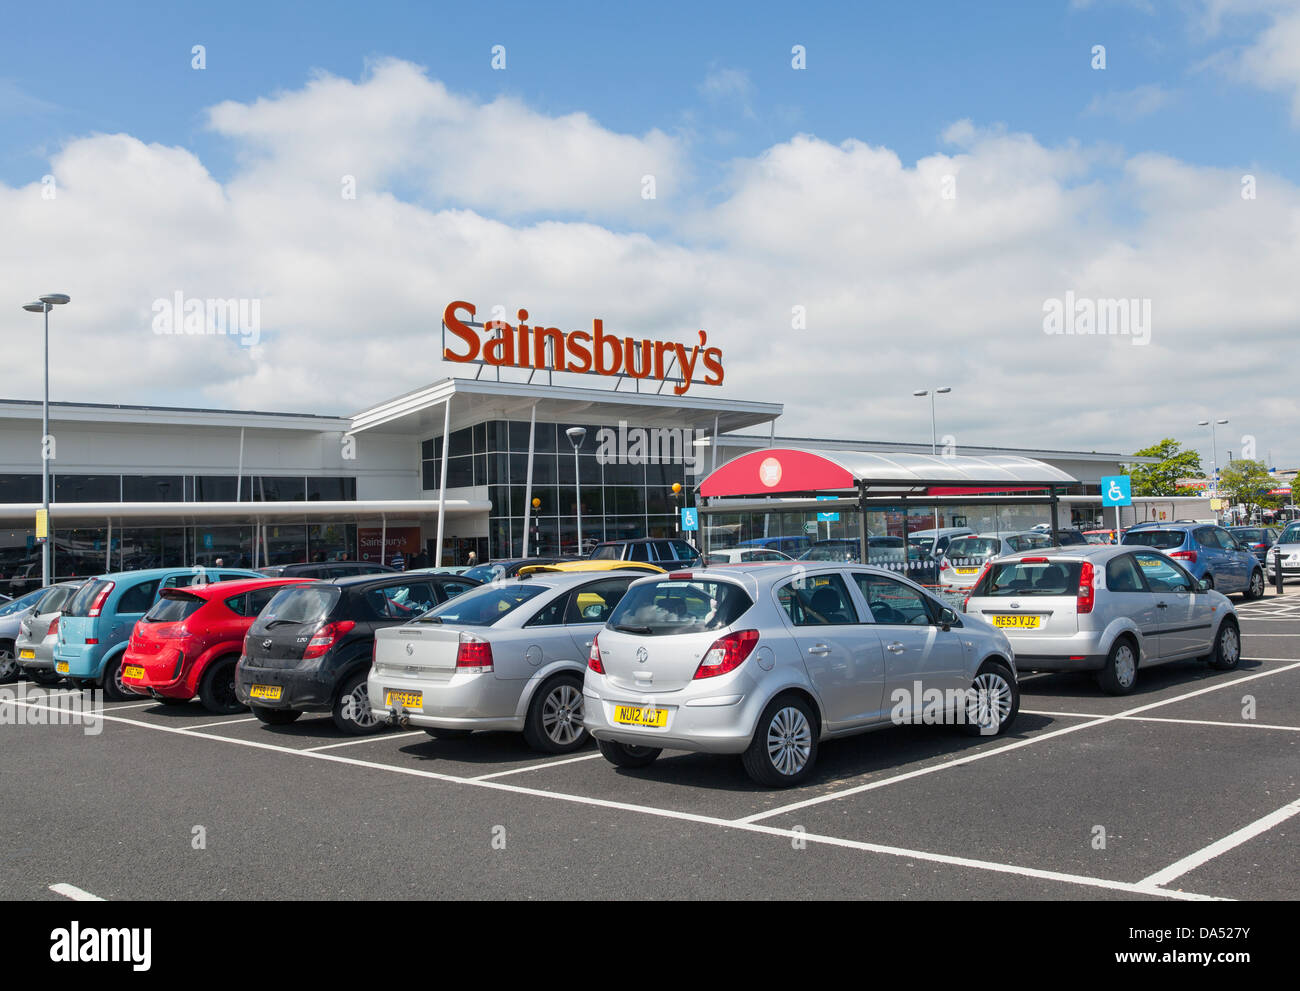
x=576, y=436
x=921, y=392
x=35, y=307
x=945, y=389
x=1202, y=423
x=56, y=298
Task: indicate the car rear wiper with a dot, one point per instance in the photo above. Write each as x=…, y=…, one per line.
x=632, y=629
x=428, y=619
x=278, y=622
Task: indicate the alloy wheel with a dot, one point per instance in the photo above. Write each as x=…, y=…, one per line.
x=562, y=715
x=358, y=709
x=990, y=702
x=789, y=741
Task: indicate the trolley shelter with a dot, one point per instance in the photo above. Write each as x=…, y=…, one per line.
x=859, y=495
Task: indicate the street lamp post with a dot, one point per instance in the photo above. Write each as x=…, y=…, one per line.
x=44, y=305
x=934, y=447
x=576, y=436
x=1214, y=453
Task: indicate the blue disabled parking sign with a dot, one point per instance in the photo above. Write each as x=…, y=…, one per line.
x=690, y=519
x=1116, y=490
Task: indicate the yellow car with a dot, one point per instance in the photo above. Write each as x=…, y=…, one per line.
x=570, y=566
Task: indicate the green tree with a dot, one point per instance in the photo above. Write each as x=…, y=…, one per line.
x=1162, y=479
x=1247, y=482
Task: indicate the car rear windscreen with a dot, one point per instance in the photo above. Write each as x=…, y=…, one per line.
x=1030, y=578
x=484, y=605
x=967, y=547
x=674, y=606
x=169, y=610
x=1249, y=536
x=85, y=598
x=304, y=605
x=1164, y=540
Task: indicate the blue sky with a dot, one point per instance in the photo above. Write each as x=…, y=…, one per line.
x=820, y=191
x=885, y=73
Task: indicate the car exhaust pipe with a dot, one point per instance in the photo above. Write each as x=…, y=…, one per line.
x=404, y=721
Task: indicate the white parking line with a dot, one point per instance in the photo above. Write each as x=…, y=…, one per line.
x=535, y=767
x=1162, y=719
x=227, y=722
x=1195, y=860
x=135, y=705
x=368, y=739
x=73, y=892
x=970, y=758
x=987, y=865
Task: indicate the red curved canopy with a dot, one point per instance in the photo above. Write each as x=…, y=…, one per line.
x=776, y=470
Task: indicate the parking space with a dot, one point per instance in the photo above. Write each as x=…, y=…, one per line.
x=1089, y=795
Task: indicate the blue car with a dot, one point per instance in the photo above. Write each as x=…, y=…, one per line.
x=97, y=623
x=794, y=546
x=1209, y=552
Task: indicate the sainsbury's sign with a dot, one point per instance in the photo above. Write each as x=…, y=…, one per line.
x=502, y=344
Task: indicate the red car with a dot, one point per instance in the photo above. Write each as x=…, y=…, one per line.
x=188, y=643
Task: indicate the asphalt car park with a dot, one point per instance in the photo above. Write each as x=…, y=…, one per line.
x=1187, y=788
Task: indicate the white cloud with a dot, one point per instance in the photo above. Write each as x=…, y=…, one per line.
x=730, y=87
x=902, y=286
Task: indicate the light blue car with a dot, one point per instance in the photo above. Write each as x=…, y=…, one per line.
x=97, y=623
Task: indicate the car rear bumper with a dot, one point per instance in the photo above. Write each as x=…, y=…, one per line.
x=42, y=658
x=82, y=660
x=306, y=690
x=719, y=724
x=164, y=673
x=452, y=701
x=1080, y=652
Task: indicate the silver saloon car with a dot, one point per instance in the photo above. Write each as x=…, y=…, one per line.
x=508, y=655
x=1106, y=608
x=768, y=661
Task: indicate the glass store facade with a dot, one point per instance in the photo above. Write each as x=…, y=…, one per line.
x=617, y=500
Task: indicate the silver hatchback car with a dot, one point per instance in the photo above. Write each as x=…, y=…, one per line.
x=1105, y=608
x=508, y=655
x=767, y=661
x=966, y=556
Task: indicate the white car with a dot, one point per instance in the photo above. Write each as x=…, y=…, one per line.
x=746, y=555
x=1112, y=609
x=966, y=556
x=769, y=661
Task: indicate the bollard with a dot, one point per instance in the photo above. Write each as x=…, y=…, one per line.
x=1277, y=568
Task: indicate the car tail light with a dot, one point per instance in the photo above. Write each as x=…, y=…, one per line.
x=325, y=638
x=1188, y=556
x=943, y=565
x=727, y=653
x=978, y=578
x=92, y=641
x=593, y=658
x=54, y=627
x=680, y=575
x=473, y=655
x=1033, y=560
x=1087, y=594
x=97, y=606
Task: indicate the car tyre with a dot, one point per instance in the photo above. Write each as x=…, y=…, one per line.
x=1120, y=672
x=352, y=712
x=554, y=721
x=217, y=687
x=115, y=690
x=628, y=755
x=447, y=734
x=1227, y=646
x=10, y=669
x=784, y=748
x=997, y=694
x=275, y=717
x=1255, y=589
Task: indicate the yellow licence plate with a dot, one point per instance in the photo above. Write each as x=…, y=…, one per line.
x=26, y=655
x=966, y=571
x=132, y=671
x=1019, y=622
x=265, y=691
x=408, y=700
x=62, y=667
x=635, y=715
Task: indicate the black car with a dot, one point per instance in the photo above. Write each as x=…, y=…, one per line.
x=1259, y=540
x=327, y=569
x=667, y=552
x=309, y=650
x=1064, y=538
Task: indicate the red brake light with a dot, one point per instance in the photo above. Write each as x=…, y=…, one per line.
x=1087, y=594
x=593, y=658
x=473, y=655
x=680, y=575
x=98, y=604
x=54, y=627
x=325, y=638
x=1188, y=556
x=93, y=641
x=1033, y=560
x=978, y=578
x=727, y=653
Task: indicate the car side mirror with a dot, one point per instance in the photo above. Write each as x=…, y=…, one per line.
x=1203, y=585
x=947, y=619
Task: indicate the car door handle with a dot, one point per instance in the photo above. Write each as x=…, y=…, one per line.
x=895, y=648
x=1162, y=605
x=819, y=648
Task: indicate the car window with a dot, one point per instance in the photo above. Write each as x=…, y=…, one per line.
x=606, y=552
x=822, y=600
x=973, y=547
x=1164, y=540
x=1162, y=574
x=402, y=601
x=450, y=589
x=551, y=614
x=673, y=606
x=682, y=550
x=595, y=603
x=1123, y=575
x=1033, y=577
x=138, y=598
x=891, y=602
x=638, y=552
x=21, y=603
x=170, y=610
x=484, y=605
x=1206, y=537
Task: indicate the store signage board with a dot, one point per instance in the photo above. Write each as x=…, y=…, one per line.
x=550, y=349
